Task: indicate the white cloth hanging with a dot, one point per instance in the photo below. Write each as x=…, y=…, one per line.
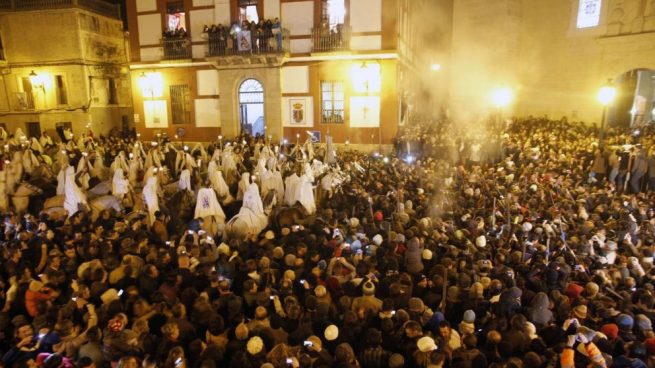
x=185, y=181
x=207, y=206
x=119, y=185
x=150, y=198
x=290, y=189
x=305, y=194
x=73, y=195
x=243, y=185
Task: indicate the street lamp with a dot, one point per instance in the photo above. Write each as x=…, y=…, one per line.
x=606, y=96
x=37, y=82
x=501, y=97
x=435, y=67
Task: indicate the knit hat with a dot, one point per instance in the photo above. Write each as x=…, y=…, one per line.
x=377, y=239
x=650, y=345
x=580, y=311
x=481, y=241
x=331, y=333
x=255, y=345
x=416, y=305
x=426, y=254
x=368, y=288
x=285, y=231
x=573, y=291
x=610, y=330
x=354, y=222
x=591, y=289
x=241, y=332
x=625, y=322
x=426, y=344
x=469, y=316
x=269, y=235
x=378, y=216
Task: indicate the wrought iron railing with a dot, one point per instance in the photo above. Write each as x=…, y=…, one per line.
x=244, y=43
x=176, y=48
x=96, y=6
x=325, y=39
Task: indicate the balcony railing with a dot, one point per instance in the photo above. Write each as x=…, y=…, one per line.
x=176, y=48
x=325, y=39
x=96, y=6
x=221, y=43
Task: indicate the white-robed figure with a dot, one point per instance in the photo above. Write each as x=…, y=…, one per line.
x=99, y=170
x=30, y=162
x=251, y=219
x=134, y=166
x=20, y=136
x=185, y=181
x=207, y=206
x=220, y=186
x=119, y=185
x=290, y=189
x=14, y=172
x=229, y=165
x=120, y=162
x=73, y=195
x=82, y=171
x=305, y=194
x=243, y=185
x=3, y=134
x=45, y=140
x=151, y=198
x=35, y=145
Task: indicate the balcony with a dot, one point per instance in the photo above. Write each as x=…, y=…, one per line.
x=325, y=39
x=221, y=43
x=96, y=6
x=176, y=48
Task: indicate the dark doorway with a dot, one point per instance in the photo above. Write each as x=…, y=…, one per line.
x=34, y=129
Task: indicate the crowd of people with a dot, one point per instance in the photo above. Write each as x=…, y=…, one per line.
x=511, y=247
x=263, y=36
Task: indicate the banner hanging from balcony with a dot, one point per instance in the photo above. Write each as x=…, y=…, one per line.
x=244, y=41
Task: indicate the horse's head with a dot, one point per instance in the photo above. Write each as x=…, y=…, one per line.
x=26, y=189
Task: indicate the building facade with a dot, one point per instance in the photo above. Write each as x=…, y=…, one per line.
x=63, y=63
x=555, y=56
x=279, y=68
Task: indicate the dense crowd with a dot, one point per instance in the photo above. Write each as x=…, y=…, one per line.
x=516, y=246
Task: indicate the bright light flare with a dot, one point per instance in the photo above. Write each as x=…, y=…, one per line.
x=435, y=67
x=502, y=97
x=606, y=95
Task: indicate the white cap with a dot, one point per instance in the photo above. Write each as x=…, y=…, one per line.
x=331, y=333
x=426, y=344
x=481, y=241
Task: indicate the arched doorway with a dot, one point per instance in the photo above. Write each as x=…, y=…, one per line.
x=251, y=107
x=635, y=99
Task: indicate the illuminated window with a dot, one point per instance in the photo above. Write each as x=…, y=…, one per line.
x=175, y=17
x=589, y=13
x=334, y=12
x=332, y=102
x=248, y=10
x=180, y=103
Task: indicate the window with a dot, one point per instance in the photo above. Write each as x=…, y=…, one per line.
x=332, y=102
x=334, y=12
x=180, y=104
x=248, y=10
x=588, y=13
x=175, y=17
x=113, y=96
x=60, y=90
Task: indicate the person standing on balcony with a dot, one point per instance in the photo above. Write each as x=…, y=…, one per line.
x=276, y=29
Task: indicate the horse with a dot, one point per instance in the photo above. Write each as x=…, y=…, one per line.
x=21, y=198
x=286, y=216
x=181, y=207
